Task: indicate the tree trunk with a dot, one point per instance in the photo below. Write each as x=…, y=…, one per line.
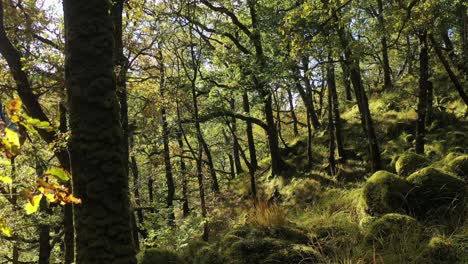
x=235, y=146
x=336, y=119
x=310, y=92
x=352, y=63
x=183, y=172
x=464, y=35
x=448, y=69
x=293, y=113
x=331, y=127
x=167, y=154
x=103, y=221
x=249, y=132
x=44, y=228
x=346, y=79
x=422, y=93
x=386, y=64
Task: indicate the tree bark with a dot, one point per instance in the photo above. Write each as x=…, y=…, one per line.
x=166, y=152
x=249, y=132
x=293, y=113
x=346, y=79
x=235, y=146
x=386, y=63
x=422, y=93
x=448, y=69
x=336, y=119
x=352, y=62
x=103, y=221
x=183, y=172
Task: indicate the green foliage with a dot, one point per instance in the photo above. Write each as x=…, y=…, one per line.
x=385, y=192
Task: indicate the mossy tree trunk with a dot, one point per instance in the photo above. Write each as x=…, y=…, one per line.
x=249, y=132
x=422, y=93
x=103, y=231
x=235, y=145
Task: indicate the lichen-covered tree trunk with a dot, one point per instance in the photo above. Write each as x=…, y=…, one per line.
x=103, y=232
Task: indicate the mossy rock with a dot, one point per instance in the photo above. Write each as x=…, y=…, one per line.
x=192, y=248
x=254, y=250
x=208, y=255
x=157, y=256
x=292, y=255
x=385, y=192
x=436, y=193
x=459, y=166
x=302, y=191
x=409, y=163
x=367, y=221
x=394, y=228
x=440, y=250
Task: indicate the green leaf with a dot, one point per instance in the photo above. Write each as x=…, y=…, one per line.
x=58, y=173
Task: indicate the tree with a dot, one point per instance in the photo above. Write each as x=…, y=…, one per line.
x=102, y=223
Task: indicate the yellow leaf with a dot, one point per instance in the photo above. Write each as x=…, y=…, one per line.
x=49, y=195
x=13, y=140
x=33, y=205
x=6, y=180
x=5, y=229
x=14, y=110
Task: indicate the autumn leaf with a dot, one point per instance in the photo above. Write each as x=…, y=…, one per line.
x=4, y=228
x=14, y=110
x=33, y=205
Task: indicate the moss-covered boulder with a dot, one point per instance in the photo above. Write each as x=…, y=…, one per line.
x=208, y=255
x=440, y=250
x=255, y=245
x=394, y=228
x=157, y=255
x=409, y=163
x=367, y=221
x=436, y=193
x=385, y=192
x=293, y=254
x=254, y=250
x=302, y=191
x=459, y=166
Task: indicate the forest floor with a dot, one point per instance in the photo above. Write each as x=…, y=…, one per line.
x=354, y=216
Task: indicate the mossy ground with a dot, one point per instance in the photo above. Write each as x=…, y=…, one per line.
x=350, y=217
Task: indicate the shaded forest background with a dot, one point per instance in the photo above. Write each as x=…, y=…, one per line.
x=317, y=131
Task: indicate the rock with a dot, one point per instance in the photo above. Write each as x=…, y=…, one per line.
x=385, y=192
x=459, y=166
x=394, y=228
x=409, y=163
x=157, y=255
x=436, y=193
